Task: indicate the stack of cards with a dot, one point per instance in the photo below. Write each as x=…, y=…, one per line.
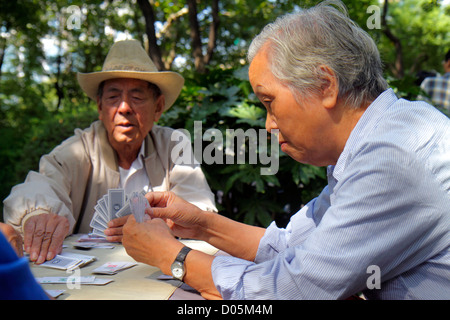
x=115, y=205
x=68, y=261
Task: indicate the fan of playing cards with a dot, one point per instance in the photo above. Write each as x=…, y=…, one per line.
x=116, y=204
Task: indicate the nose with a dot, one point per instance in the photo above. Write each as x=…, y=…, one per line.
x=124, y=107
x=270, y=123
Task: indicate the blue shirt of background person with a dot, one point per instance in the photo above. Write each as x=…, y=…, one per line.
x=16, y=280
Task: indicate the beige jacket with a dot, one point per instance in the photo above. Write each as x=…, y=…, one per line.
x=78, y=172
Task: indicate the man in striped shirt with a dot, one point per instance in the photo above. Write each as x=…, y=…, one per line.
x=381, y=225
x=438, y=88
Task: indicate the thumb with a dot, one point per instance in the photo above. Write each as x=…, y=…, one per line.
x=156, y=212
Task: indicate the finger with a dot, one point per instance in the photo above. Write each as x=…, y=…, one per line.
x=28, y=231
x=37, y=237
x=17, y=244
x=47, y=239
x=13, y=237
x=158, y=199
x=131, y=221
x=114, y=238
x=114, y=231
x=118, y=222
x=58, y=236
x=158, y=213
x=170, y=223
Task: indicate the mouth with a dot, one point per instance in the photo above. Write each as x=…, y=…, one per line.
x=125, y=125
x=283, y=144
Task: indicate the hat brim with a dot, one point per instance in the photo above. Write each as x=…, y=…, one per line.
x=170, y=83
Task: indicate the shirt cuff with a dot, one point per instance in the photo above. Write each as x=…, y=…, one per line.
x=30, y=214
x=273, y=241
x=227, y=273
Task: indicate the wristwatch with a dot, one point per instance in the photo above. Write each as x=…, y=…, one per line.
x=177, y=266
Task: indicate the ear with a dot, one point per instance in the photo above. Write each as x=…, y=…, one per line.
x=160, y=104
x=99, y=108
x=447, y=65
x=330, y=87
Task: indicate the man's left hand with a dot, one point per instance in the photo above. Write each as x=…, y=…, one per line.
x=114, y=231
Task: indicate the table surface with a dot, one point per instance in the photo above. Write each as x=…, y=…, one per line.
x=136, y=283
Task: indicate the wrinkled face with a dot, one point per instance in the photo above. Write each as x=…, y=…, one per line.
x=303, y=127
x=128, y=108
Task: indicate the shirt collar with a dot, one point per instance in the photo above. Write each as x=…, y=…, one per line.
x=366, y=123
x=138, y=163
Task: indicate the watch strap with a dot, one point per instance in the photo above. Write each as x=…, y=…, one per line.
x=182, y=254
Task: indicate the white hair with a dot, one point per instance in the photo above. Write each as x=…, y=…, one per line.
x=300, y=43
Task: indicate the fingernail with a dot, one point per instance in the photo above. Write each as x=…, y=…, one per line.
x=40, y=260
x=50, y=255
x=33, y=256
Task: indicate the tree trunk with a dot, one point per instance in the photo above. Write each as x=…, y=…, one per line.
x=200, y=60
x=153, y=48
x=398, y=69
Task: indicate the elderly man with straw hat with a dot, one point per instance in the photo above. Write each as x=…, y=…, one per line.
x=123, y=149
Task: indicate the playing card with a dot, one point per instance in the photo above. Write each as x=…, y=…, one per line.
x=115, y=204
x=90, y=238
x=139, y=204
x=84, y=259
x=62, y=263
x=126, y=210
x=101, y=214
x=56, y=280
x=116, y=200
x=85, y=280
x=55, y=293
x=98, y=233
x=97, y=222
x=103, y=207
x=113, y=267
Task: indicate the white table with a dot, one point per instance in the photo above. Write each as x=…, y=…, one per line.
x=137, y=283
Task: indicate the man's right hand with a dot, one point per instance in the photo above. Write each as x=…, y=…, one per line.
x=44, y=235
x=185, y=219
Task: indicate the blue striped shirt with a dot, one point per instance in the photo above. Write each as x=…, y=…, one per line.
x=380, y=226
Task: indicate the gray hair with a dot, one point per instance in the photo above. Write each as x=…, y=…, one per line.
x=300, y=43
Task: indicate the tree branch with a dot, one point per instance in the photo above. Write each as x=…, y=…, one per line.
x=172, y=17
x=153, y=48
x=213, y=31
x=398, y=65
x=195, y=37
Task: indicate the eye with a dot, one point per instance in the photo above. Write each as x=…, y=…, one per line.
x=267, y=102
x=111, y=98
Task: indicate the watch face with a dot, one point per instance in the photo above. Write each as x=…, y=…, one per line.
x=177, y=270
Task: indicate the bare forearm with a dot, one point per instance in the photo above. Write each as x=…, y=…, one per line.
x=237, y=239
x=199, y=276
x=197, y=266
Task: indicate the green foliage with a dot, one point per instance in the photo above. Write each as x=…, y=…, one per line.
x=222, y=99
x=21, y=147
x=41, y=103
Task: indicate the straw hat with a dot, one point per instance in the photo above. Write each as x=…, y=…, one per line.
x=127, y=59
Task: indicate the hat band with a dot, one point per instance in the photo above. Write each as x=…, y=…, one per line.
x=121, y=67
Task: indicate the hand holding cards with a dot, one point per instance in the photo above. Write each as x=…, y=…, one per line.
x=139, y=204
x=115, y=205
